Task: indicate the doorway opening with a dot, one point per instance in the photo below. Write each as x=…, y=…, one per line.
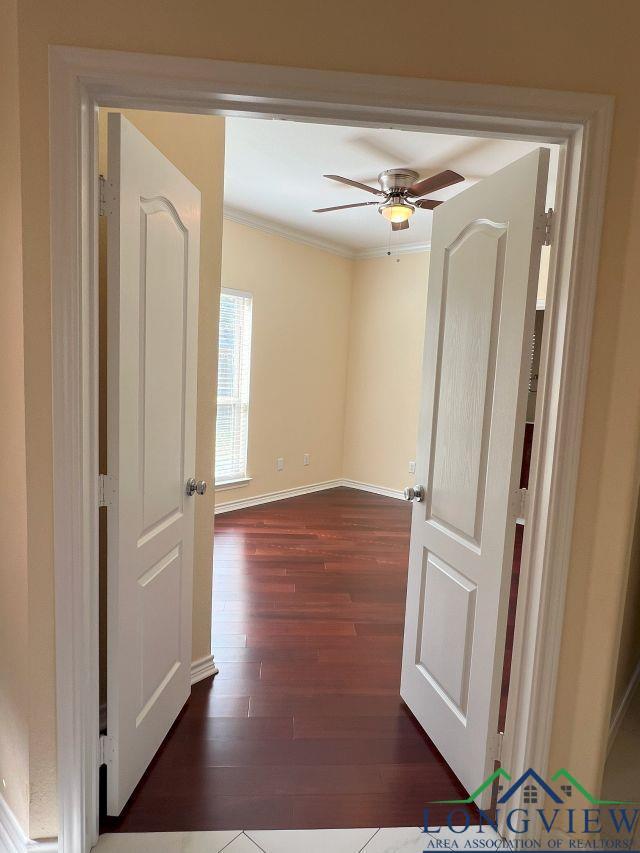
x=303, y=725
x=80, y=81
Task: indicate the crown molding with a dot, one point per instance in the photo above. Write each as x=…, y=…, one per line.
x=382, y=251
x=278, y=229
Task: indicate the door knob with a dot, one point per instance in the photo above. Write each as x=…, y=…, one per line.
x=414, y=493
x=193, y=486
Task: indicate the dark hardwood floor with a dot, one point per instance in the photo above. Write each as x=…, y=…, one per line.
x=304, y=725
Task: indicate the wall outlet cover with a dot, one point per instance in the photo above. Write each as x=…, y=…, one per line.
x=412, y=467
x=306, y=459
x=280, y=463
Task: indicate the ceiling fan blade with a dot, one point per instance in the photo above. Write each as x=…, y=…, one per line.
x=434, y=183
x=400, y=226
x=426, y=203
x=344, y=206
x=357, y=184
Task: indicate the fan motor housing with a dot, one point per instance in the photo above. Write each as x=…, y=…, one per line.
x=395, y=180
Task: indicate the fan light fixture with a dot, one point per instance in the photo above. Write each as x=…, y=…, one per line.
x=401, y=192
x=396, y=212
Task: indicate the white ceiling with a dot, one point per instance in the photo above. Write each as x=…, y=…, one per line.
x=274, y=169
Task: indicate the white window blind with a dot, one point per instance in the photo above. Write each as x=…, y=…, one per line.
x=234, y=367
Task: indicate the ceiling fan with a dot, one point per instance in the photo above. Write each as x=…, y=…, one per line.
x=400, y=190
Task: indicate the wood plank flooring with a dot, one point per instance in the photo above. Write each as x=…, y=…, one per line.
x=304, y=726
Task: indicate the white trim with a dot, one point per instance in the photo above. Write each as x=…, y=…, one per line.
x=279, y=229
x=268, y=497
x=80, y=79
x=369, y=487
x=623, y=707
x=12, y=837
x=203, y=668
x=233, y=291
x=233, y=484
x=383, y=251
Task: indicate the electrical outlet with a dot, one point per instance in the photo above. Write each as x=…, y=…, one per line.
x=280, y=463
x=306, y=459
x=412, y=467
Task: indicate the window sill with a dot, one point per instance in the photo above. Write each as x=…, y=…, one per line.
x=233, y=484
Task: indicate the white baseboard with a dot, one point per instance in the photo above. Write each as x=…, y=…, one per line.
x=200, y=669
x=12, y=837
x=623, y=707
x=244, y=503
x=203, y=668
x=376, y=490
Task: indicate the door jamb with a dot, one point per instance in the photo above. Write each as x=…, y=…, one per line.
x=81, y=80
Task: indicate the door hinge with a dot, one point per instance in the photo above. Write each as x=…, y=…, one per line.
x=521, y=504
x=102, y=202
x=105, y=750
x=547, y=225
x=106, y=489
x=497, y=746
x=105, y=196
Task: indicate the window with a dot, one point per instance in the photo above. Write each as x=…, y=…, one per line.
x=530, y=795
x=234, y=365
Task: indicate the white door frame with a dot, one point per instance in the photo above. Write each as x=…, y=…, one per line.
x=83, y=79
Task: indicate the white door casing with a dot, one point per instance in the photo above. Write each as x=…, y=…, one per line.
x=81, y=80
x=481, y=301
x=153, y=267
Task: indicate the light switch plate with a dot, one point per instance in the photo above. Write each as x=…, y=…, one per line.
x=280, y=463
x=412, y=467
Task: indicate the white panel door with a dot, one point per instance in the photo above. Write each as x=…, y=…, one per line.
x=153, y=265
x=483, y=275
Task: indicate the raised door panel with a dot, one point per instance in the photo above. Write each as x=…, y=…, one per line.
x=163, y=274
x=159, y=625
x=443, y=652
x=470, y=312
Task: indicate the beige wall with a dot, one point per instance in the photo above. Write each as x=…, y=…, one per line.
x=576, y=45
x=298, y=357
x=195, y=144
x=386, y=335
x=14, y=630
x=365, y=431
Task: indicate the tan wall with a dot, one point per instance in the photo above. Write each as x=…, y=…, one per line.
x=629, y=658
x=576, y=45
x=195, y=144
x=14, y=630
x=298, y=357
x=386, y=335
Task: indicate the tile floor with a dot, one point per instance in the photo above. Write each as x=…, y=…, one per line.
x=389, y=840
